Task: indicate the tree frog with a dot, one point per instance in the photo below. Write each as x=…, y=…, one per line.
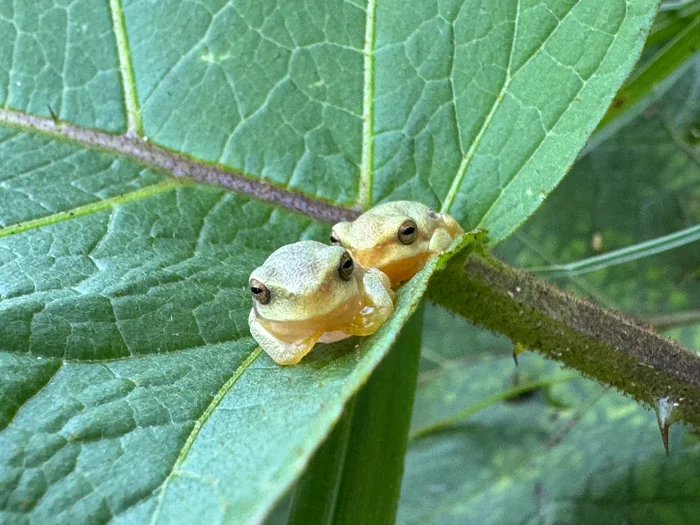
x=397, y=237
x=309, y=292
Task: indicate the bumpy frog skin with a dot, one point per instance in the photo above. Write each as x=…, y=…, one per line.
x=308, y=292
x=397, y=237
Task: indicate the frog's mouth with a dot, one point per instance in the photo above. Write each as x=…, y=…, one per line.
x=337, y=319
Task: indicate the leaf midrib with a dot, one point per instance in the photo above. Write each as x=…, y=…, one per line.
x=178, y=165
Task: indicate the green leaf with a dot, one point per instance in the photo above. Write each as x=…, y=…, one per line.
x=355, y=477
x=441, y=404
x=669, y=22
x=130, y=387
x=139, y=340
x=374, y=464
x=143, y=372
x=623, y=255
x=430, y=118
x=315, y=494
x=640, y=186
x=61, y=55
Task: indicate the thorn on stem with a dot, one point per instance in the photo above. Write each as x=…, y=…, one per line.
x=54, y=117
x=665, y=417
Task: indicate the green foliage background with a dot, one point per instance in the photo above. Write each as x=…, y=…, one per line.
x=130, y=389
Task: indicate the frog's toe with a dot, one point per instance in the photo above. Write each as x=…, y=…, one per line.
x=281, y=352
x=332, y=337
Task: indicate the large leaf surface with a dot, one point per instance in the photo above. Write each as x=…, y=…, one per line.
x=130, y=387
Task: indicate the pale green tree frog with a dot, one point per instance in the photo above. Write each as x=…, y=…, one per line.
x=397, y=237
x=308, y=292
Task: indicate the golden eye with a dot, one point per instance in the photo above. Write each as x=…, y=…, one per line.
x=334, y=238
x=345, y=266
x=408, y=232
x=260, y=292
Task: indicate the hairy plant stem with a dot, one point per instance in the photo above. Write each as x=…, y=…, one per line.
x=601, y=344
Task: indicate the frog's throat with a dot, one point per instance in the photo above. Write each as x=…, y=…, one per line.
x=335, y=320
x=398, y=270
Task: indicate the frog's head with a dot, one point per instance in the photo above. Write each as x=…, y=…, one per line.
x=396, y=237
x=303, y=281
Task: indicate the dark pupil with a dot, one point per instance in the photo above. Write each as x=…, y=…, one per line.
x=255, y=290
x=409, y=230
x=347, y=264
x=334, y=239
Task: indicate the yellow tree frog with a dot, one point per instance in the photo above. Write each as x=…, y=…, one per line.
x=397, y=237
x=308, y=292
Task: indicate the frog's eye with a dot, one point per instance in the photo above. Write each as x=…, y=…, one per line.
x=345, y=266
x=334, y=238
x=260, y=292
x=408, y=232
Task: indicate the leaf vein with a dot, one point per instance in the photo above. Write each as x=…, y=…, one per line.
x=133, y=111
x=547, y=134
x=32, y=396
x=364, y=197
x=198, y=427
x=87, y=209
x=177, y=165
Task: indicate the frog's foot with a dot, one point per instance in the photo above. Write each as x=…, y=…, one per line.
x=440, y=241
x=332, y=337
x=379, y=303
x=281, y=352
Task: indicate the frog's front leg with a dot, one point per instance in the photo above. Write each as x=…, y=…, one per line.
x=379, y=303
x=281, y=352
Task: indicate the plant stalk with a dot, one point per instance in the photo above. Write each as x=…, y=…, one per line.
x=605, y=345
